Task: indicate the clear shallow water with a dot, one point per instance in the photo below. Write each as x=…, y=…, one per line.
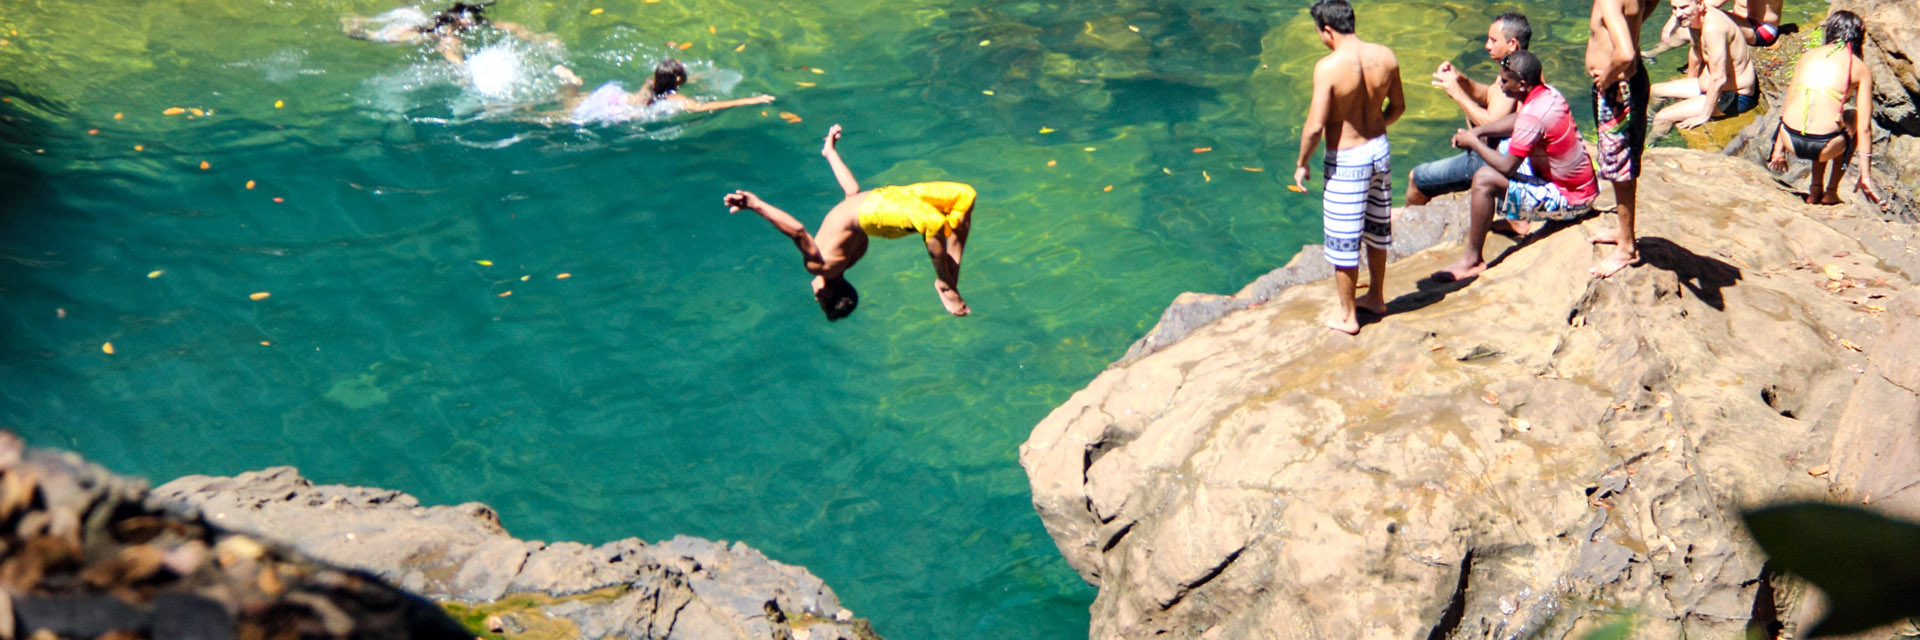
x=681, y=380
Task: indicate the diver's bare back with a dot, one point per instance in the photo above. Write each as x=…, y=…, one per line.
x=1362, y=79
x=1600, y=45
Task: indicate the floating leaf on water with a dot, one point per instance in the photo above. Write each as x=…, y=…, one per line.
x=790, y=117
x=249, y=184
x=1046, y=130
x=596, y=11
x=804, y=84
x=173, y=111
x=1109, y=188
x=1834, y=272
x=279, y=199
x=712, y=30
x=563, y=276
x=526, y=277
x=264, y=343
x=204, y=165
x=1203, y=174
x=93, y=132
x=1051, y=163
x=1490, y=397
x=985, y=42
x=279, y=104
x=1202, y=149
x=504, y=294
x=818, y=71
x=155, y=274
x=742, y=47
x=987, y=91
x=1133, y=28
x=1087, y=149
x=259, y=295
x=139, y=147
x=60, y=312
x=484, y=263
x=196, y=112
x=107, y=348
x=1296, y=188
x=685, y=46
x=1253, y=169
x=1166, y=171
x=117, y=115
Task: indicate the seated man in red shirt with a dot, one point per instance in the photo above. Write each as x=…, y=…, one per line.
x=1544, y=136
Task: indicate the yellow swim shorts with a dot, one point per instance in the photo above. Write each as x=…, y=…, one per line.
x=927, y=208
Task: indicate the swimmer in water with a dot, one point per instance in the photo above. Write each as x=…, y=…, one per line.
x=613, y=103
x=445, y=28
x=940, y=212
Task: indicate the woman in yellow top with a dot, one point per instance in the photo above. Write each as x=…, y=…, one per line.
x=938, y=212
x=1815, y=123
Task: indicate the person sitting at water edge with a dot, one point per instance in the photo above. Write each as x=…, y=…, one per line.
x=1350, y=87
x=1620, y=115
x=1544, y=137
x=1815, y=124
x=613, y=103
x=939, y=212
x=1720, y=82
x=446, y=27
x=1762, y=31
x=1482, y=103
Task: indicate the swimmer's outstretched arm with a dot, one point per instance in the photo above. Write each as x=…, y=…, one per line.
x=452, y=49
x=690, y=104
x=786, y=224
x=840, y=171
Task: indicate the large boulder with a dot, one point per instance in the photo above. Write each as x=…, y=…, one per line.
x=1893, y=46
x=1522, y=455
x=682, y=589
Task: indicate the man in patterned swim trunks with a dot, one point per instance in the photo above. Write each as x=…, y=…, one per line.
x=1542, y=135
x=1356, y=95
x=1620, y=112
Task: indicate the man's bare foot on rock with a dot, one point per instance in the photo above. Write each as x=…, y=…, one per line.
x=1609, y=236
x=1831, y=199
x=950, y=299
x=1460, y=270
x=1519, y=228
x=1614, y=262
x=1373, y=303
x=1349, y=325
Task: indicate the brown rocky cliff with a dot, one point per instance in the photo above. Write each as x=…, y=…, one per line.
x=1525, y=452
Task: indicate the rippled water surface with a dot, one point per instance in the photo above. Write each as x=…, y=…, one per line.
x=412, y=237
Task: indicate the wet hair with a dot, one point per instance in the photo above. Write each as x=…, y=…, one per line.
x=451, y=17
x=1844, y=26
x=837, y=298
x=1515, y=26
x=1337, y=14
x=1524, y=65
x=668, y=75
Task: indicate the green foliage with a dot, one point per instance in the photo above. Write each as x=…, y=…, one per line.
x=1868, y=565
x=1619, y=629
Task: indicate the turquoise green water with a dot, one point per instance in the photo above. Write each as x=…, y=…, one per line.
x=680, y=380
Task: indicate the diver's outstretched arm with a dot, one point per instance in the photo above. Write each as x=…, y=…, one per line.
x=785, y=223
x=690, y=104
x=840, y=171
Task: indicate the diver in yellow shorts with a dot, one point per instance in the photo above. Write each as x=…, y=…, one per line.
x=939, y=212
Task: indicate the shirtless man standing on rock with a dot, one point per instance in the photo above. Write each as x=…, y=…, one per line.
x=1350, y=86
x=1620, y=113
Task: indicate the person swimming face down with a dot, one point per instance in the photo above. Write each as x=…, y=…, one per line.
x=836, y=296
x=457, y=18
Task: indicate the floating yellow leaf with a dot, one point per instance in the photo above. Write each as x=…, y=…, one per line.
x=118, y=115
x=504, y=294
x=1087, y=149
x=60, y=312
x=279, y=199
x=1203, y=174
x=1202, y=149
x=264, y=343
x=1834, y=272
x=526, y=277
x=259, y=295
x=1109, y=188
x=790, y=117
x=204, y=165
x=139, y=147
x=685, y=46
x=279, y=104
x=93, y=132
x=596, y=11
x=818, y=71
x=1051, y=163
x=1296, y=188
x=1046, y=130
x=107, y=348
x=742, y=47
x=712, y=30
x=484, y=263
x=1253, y=169
x=985, y=42
x=249, y=184
x=805, y=84
x=1133, y=28
x=155, y=273
x=196, y=112
x=563, y=276
x=173, y=111
x=1166, y=171
x=987, y=91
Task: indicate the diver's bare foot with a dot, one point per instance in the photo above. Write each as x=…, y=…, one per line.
x=1610, y=236
x=1619, y=259
x=1465, y=268
x=950, y=299
x=1349, y=325
x=1373, y=303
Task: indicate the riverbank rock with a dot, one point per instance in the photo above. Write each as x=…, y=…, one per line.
x=87, y=554
x=682, y=589
x=1528, y=452
x=1893, y=46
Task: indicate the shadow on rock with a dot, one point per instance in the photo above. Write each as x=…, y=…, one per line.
x=1702, y=275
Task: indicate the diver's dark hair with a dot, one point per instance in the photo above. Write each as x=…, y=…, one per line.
x=837, y=298
x=451, y=16
x=1515, y=26
x=1524, y=66
x=668, y=75
x=1333, y=13
x=1844, y=26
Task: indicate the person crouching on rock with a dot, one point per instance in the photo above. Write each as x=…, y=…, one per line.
x=940, y=212
x=1542, y=135
x=1815, y=124
x=1356, y=96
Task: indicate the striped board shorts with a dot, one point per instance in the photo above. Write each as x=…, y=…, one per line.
x=1359, y=201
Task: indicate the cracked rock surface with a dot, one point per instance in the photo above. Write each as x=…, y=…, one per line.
x=1524, y=453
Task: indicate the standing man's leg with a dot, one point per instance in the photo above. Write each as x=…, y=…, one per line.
x=1620, y=113
x=1377, y=233
x=1343, y=214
